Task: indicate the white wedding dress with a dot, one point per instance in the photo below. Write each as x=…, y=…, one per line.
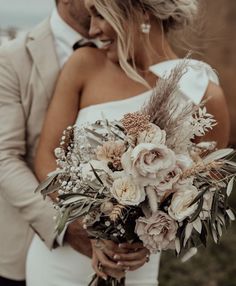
x=65, y=267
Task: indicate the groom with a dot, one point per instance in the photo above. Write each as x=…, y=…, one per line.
x=29, y=68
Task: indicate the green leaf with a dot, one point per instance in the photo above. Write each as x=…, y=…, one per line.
x=96, y=175
x=203, y=235
x=43, y=186
x=198, y=210
x=218, y=155
x=95, y=133
x=230, y=187
x=63, y=220
x=214, y=209
x=200, y=195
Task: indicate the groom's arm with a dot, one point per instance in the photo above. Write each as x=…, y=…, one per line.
x=17, y=181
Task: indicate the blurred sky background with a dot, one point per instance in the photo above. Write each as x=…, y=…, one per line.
x=23, y=13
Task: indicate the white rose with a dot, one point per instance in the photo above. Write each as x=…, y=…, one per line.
x=179, y=208
x=153, y=135
x=127, y=192
x=149, y=161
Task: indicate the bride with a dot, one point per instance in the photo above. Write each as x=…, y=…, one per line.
x=110, y=82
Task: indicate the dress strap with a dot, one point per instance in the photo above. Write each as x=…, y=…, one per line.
x=194, y=82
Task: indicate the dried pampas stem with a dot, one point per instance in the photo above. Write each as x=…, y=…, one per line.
x=201, y=168
x=162, y=99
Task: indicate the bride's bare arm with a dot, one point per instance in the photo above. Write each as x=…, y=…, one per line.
x=61, y=113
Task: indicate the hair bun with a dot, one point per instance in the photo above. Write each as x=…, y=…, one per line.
x=175, y=14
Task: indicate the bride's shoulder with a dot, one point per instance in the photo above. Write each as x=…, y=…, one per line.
x=86, y=58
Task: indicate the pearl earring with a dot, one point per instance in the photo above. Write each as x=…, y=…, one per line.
x=145, y=28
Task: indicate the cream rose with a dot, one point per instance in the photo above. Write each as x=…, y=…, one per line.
x=127, y=192
x=149, y=161
x=157, y=232
x=180, y=208
x=153, y=135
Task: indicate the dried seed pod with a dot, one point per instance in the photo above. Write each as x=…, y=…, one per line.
x=116, y=212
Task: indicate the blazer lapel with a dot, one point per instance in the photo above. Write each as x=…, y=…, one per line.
x=40, y=44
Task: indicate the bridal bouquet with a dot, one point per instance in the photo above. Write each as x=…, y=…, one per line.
x=143, y=178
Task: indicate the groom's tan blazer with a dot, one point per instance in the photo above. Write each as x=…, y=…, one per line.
x=28, y=71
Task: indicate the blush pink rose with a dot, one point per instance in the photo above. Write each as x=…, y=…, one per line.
x=157, y=232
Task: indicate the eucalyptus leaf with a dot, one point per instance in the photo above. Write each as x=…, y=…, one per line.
x=219, y=228
x=192, y=251
x=74, y=199
x=214, y=209
x=230, y=186
x=63, y=220
x=46, y=183
x=96, y=175
x=219, y=154
x=197, y=224
x=177, y=245
x=231, y=163
x=198, y=210
x=230, y=214
x=188, y=232
x=200, y=195
x=214, y=236
x=51, y=189
x=203, y=235
x=95, y=134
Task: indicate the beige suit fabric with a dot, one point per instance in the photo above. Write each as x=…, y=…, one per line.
x=28, y=71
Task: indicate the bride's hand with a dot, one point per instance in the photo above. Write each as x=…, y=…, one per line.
x=104, y=266
x=122, y=257
x=131, y=255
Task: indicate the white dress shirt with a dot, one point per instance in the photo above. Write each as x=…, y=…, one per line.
x=64, y=36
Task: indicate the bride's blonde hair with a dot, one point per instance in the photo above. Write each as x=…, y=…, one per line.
x=171, y=14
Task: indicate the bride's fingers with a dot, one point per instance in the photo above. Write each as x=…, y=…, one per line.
x=113, y=248
x=107, y=247
x=132, y=265
x=118, y=274
x=97, y=268
x=137, y=255
x=105, y=261
x=131, y=246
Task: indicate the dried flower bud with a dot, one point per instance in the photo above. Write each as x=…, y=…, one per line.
x=107, y=208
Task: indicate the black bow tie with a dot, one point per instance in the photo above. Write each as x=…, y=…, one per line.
x=84, y=43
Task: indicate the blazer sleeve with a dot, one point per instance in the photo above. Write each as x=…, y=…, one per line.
x=17, y=181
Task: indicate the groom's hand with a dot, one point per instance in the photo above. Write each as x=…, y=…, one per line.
x=77, y=237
